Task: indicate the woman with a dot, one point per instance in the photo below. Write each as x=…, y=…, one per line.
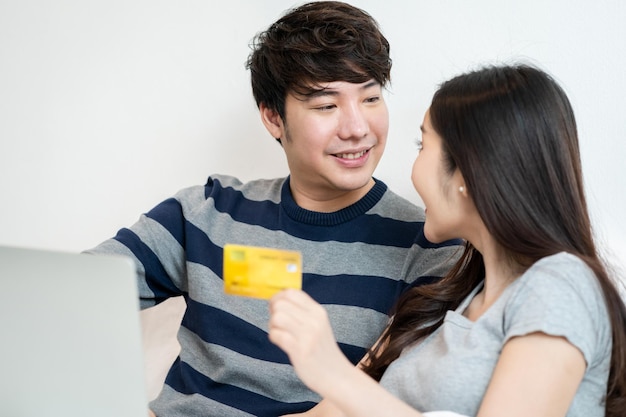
x=528, y=323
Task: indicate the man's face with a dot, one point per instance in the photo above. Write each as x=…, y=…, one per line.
x=334, y=140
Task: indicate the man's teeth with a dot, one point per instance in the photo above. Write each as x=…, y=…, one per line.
x=351, y=155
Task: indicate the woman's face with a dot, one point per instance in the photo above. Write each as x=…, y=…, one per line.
x=440, y=190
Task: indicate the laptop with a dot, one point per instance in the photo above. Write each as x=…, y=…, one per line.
x=70, y=339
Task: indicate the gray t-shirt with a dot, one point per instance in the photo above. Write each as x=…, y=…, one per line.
x=451, y=368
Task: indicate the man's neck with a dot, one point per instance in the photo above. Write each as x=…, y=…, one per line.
x=329, y=202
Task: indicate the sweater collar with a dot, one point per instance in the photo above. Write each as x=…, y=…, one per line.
x=346, y=214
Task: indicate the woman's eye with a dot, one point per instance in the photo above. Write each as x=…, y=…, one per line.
x=418, y=144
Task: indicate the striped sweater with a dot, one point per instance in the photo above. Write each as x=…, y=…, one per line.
x=356, y=262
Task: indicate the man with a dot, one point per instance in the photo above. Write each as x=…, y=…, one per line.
x=317, y=76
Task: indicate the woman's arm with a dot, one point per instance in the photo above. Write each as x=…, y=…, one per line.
x=300, y=327
x=536, y=375
x=323, y=409
x=326, y=408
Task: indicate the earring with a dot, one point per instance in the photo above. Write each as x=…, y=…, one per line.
x=461, y=189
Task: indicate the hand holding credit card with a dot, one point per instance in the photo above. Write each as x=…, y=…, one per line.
x=260, y=272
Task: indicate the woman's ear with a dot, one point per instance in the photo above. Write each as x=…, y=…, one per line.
x=272, y=121
x=458, y=179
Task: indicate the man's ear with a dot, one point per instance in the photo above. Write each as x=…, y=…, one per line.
x=272, y=121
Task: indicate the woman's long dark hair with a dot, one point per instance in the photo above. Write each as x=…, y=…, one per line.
x=511, y=132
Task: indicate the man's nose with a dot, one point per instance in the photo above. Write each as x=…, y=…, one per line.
x=353, y=123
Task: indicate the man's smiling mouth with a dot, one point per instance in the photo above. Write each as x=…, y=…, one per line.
x=351, y=155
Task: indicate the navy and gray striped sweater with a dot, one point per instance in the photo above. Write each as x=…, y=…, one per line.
x=356, y=262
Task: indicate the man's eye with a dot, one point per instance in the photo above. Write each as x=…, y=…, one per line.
x=372, y=99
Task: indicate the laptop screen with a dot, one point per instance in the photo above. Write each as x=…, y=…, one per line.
x=71, y=339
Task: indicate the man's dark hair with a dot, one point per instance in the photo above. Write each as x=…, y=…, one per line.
x=313, y=44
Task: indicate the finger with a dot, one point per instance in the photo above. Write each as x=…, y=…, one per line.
x=294, y=303
x=297, y=297
x=281, y=300
x=283, y=339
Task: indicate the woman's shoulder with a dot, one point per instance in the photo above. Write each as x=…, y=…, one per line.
x=561, y=259
x=562, y=269
x=560, y=295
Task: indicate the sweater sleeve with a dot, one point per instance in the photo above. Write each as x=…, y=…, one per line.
x=156, y=244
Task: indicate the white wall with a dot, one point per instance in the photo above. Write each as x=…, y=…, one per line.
x=108, y=107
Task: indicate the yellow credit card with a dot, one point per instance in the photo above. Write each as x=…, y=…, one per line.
x=260, y=272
